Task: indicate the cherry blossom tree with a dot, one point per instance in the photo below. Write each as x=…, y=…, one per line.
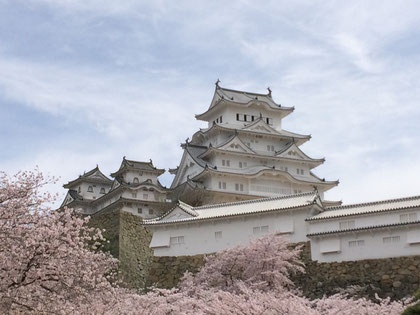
x=50, y=262
x=49, y=259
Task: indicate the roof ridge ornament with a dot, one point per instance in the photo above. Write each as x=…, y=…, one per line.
x=269, y=92
x=217, y=83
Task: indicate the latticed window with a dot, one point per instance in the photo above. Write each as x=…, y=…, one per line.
x=177, y=240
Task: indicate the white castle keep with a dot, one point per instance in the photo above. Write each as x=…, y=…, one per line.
x=242, y=177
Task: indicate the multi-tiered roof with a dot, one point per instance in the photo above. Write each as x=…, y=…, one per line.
x=245, y=153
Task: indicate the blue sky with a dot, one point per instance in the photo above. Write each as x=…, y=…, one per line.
x=86, y=82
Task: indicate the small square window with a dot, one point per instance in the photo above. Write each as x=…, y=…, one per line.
x=218, y=235
x=264, y=229
x=139, y=210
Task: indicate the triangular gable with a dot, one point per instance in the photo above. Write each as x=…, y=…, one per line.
x=179, y=212
x=260, y=126
x=98, y=175
x=237, y=145
x=293, y=152
x=115, y=184
x=67, y=199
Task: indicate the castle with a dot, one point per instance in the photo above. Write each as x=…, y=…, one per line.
x=241, y=177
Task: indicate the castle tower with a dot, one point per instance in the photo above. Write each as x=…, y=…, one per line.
x=244, y=153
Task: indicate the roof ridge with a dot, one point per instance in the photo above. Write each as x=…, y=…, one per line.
x=240, y=91
x=371, y=203
x=226, y=204
x=364, y=228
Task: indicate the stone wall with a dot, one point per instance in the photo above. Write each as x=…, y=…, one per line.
x=390, y=277
x=165, y=272
x=393, y=277
x=129, y=242
x=135, y=255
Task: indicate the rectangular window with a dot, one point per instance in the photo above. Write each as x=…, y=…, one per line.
x=236, y=187
x=139, y=210
x=252, y=117
x=256, y=230
x=134, y=195
x=245, y=117
x=344, y=225
x=221, y=119
x=391, y=239
x=224, y=185
x=218, y=235
x=241, y=187
x=177, y=240
x=356, y=243
x=151, y=211
x=240, y=164
x=408, y=217
x=241, y=117
x=269, y=121
x=145, y=196
x=227, y=163
x=223, y=162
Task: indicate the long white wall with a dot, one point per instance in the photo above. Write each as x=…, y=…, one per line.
x=213, y=235
x=365, y=220
x=379, y=243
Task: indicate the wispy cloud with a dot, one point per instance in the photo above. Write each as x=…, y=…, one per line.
x=126, y=77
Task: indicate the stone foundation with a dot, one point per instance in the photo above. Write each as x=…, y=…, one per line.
x=393, y=277
x=129, y=242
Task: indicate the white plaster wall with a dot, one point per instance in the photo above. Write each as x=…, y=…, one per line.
x=253, y=162
x=199, y=238
x=229, y=115
x=366, y=220
x=268, y=186
x=96, y=190
x=374, y=246
x=141, y=175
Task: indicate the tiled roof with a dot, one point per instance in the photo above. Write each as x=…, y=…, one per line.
x=244, y=97
x=380, y=226
x=137, y=165
x=90, y=177
x=242, y=208
x=223, y=96
x=300, y=139
x=257, y=170
x=368, y=207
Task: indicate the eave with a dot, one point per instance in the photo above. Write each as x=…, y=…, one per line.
x=365, y=228
x=223, y=102
x=327, y=184
x=298, y=139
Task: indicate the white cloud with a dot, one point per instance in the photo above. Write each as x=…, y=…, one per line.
x=331, y=60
